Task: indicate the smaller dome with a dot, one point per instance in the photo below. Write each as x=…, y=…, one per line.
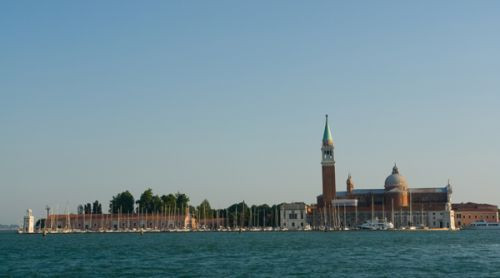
x=395, y=180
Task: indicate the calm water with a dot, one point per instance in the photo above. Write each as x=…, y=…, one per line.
x=339, y=254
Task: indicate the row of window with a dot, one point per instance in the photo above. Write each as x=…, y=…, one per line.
x=475, y=216
x=295, y=216
x=293, y=224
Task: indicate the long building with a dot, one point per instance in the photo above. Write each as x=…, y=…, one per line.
x=466, y=213
x=100, y=222
x=396, y=201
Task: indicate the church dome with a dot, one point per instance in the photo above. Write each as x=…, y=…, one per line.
x=395, y=180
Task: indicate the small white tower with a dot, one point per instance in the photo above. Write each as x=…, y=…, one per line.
x=29, y=222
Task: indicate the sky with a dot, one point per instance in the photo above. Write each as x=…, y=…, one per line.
x=225, y=100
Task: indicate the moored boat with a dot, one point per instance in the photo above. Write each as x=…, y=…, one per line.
x=376, y=225
x=483, y=225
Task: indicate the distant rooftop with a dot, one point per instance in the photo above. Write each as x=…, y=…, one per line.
x=382, y=191
x=474, y=206
x=362, y=192
x=429, y=190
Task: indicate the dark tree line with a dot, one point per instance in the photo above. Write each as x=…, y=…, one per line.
x=88, y=208
x=240, y=214
x=149, y=203
x=122, y=202
x=236, y=214
x=125, y=202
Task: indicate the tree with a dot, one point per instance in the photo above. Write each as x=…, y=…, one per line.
x=264, y=214
x=205, y=210
x=157, y=204
x=80, y=209
x=182, y=200
x=87, y=208
x=235, y=213
x=122, y=202
x=169, y=201
x=192, y=210
x=96, y=207
x=145, y=202
x=275, y=212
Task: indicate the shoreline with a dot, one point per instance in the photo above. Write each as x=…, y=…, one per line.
x=227, y=231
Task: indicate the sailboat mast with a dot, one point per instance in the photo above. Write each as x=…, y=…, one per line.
x=400, y=217
x=263, y=217
x=383, y=210
x=411, y=217
x=356, y=209
x=67, y=219
x=175, y=215
x=373, y=211
x=324, y=216
x=422, y=214
x=345, y=224
x=84, y=227
x=276, y=216
x=392, y=210
x=243, y=214
x=118, y=218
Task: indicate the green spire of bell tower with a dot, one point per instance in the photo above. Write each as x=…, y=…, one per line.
x=327, y=134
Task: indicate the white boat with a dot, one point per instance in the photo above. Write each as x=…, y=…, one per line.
x=376, y=225
x=483, y=225
x=422, y=227
x=222, y=229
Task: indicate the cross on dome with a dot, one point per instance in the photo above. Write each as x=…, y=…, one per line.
x=395, y=169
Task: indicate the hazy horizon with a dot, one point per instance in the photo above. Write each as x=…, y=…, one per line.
x=226, y=100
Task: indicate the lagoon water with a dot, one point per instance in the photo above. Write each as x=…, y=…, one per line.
x=332, y=254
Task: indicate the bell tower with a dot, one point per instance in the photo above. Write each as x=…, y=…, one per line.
x=328, y=166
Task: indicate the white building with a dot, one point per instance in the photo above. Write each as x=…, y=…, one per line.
x=293, y=216
x=441, y=219
x=29, y=222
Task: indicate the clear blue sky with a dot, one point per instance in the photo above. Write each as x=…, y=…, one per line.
x=225, y=100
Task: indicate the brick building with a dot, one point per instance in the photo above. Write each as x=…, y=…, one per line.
x=466, y=213
x=396, y=202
